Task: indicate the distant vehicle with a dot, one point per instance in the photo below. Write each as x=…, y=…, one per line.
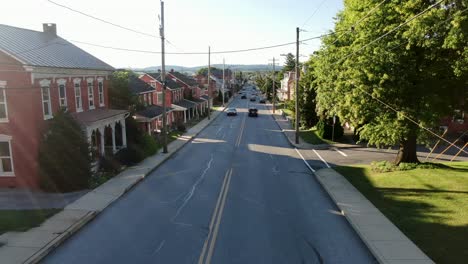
x=231, y=112
x=253, y=112
x=253, y=99
x=262, y=101
x=243, y=96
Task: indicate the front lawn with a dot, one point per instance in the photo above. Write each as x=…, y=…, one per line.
x=429, y=205
x=310, y=136
x=22, y=220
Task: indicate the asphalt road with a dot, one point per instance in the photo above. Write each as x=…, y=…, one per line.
x=241, y=178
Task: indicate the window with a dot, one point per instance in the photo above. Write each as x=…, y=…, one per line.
x=91, y=93
x=160, y=99
x=62, y=90
x=6, y=161
x=78, y=100
x=101, y=91
x=45, y=94
x=3, y=103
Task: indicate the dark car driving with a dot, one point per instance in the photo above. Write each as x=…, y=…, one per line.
x=262, y=101
x=243, y=96
x=253, y=112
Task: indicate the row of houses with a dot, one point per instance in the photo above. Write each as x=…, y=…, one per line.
x=41, y=73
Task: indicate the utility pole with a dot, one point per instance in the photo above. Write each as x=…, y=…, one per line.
x=163, y=80
x=209, y=87
x=273, y=81
x=296, y=86
x=223, y=81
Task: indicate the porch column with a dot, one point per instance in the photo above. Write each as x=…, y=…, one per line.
x=89, y=134
x=114, y=149
x=149, y=128
x=101, y=131
x=124, y=133
x=185, y=116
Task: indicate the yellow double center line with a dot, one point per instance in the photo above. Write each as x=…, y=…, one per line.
x=239, y=138
x=208, y=246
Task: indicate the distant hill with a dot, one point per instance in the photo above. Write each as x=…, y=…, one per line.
x=192, y=70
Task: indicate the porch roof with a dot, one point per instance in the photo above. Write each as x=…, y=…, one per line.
x=91, y=117
x=186, y=103
x=205, y=97
x=198, y=100
x=151, y=112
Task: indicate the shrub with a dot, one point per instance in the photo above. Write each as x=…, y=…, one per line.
x=130, y=155
x=181, y=128
x=149, y=145
x=382, y=166
x=403, y=166
x=64, y=156
x=325, y=129
x=110, y=164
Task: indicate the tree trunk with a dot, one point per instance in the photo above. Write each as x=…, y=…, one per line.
x=407, y=151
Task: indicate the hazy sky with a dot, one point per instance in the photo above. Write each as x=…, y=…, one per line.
x=191, y=25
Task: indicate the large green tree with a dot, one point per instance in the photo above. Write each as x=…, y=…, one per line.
x=290, y=63
x=64, y=155
x=412, y=73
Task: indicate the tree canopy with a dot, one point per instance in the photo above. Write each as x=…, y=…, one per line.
x=413, y=73
x=290, y=63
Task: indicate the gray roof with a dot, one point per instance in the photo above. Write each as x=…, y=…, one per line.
x=87, y=118
x=44, y=49
x=186, y=103
x=153, y=111
x=138, y=86
x=198, y=100
x=169, y=82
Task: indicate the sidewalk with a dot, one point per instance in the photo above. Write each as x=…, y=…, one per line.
x=23, y=199
x=385, y=241
x=290, y=133
x=33, y=245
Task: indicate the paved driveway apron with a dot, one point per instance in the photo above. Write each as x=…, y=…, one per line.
x=241, y=178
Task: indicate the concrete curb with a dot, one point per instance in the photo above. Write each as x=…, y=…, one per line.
x=37, y=256
x=377, y=233
x=292, y=143
x=43, y=252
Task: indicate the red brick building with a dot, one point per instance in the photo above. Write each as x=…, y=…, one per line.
x=41, y=73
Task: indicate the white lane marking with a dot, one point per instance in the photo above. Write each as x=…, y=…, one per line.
x=341, y=152
x=321, y=158
x=192, y=190
x=159, y=248
x=306, y=163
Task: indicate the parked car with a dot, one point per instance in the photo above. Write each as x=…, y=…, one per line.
x=253, y=112
x=262, y=101
x=253, y=99
x=243, y=96
x=231, y=112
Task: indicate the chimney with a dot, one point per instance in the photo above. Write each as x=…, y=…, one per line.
x=50, y=29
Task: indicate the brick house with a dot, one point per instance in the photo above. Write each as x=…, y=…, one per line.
x=150, y=118
x=184, y=109
x=41, y=73
x=192, y=90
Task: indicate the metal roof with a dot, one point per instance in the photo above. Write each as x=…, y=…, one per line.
x=184, y=78
x=137, y=86
x=87, y=118
x=153, y=111
x=171, y=84
x=47, y=50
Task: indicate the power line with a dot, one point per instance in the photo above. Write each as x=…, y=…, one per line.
x=403, y=115
x=318, y=7
x=391, y=31
x=102, y=20
x=352, y=28
x=197, y=53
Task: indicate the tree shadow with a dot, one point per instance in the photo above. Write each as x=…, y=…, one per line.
x=428, y=226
